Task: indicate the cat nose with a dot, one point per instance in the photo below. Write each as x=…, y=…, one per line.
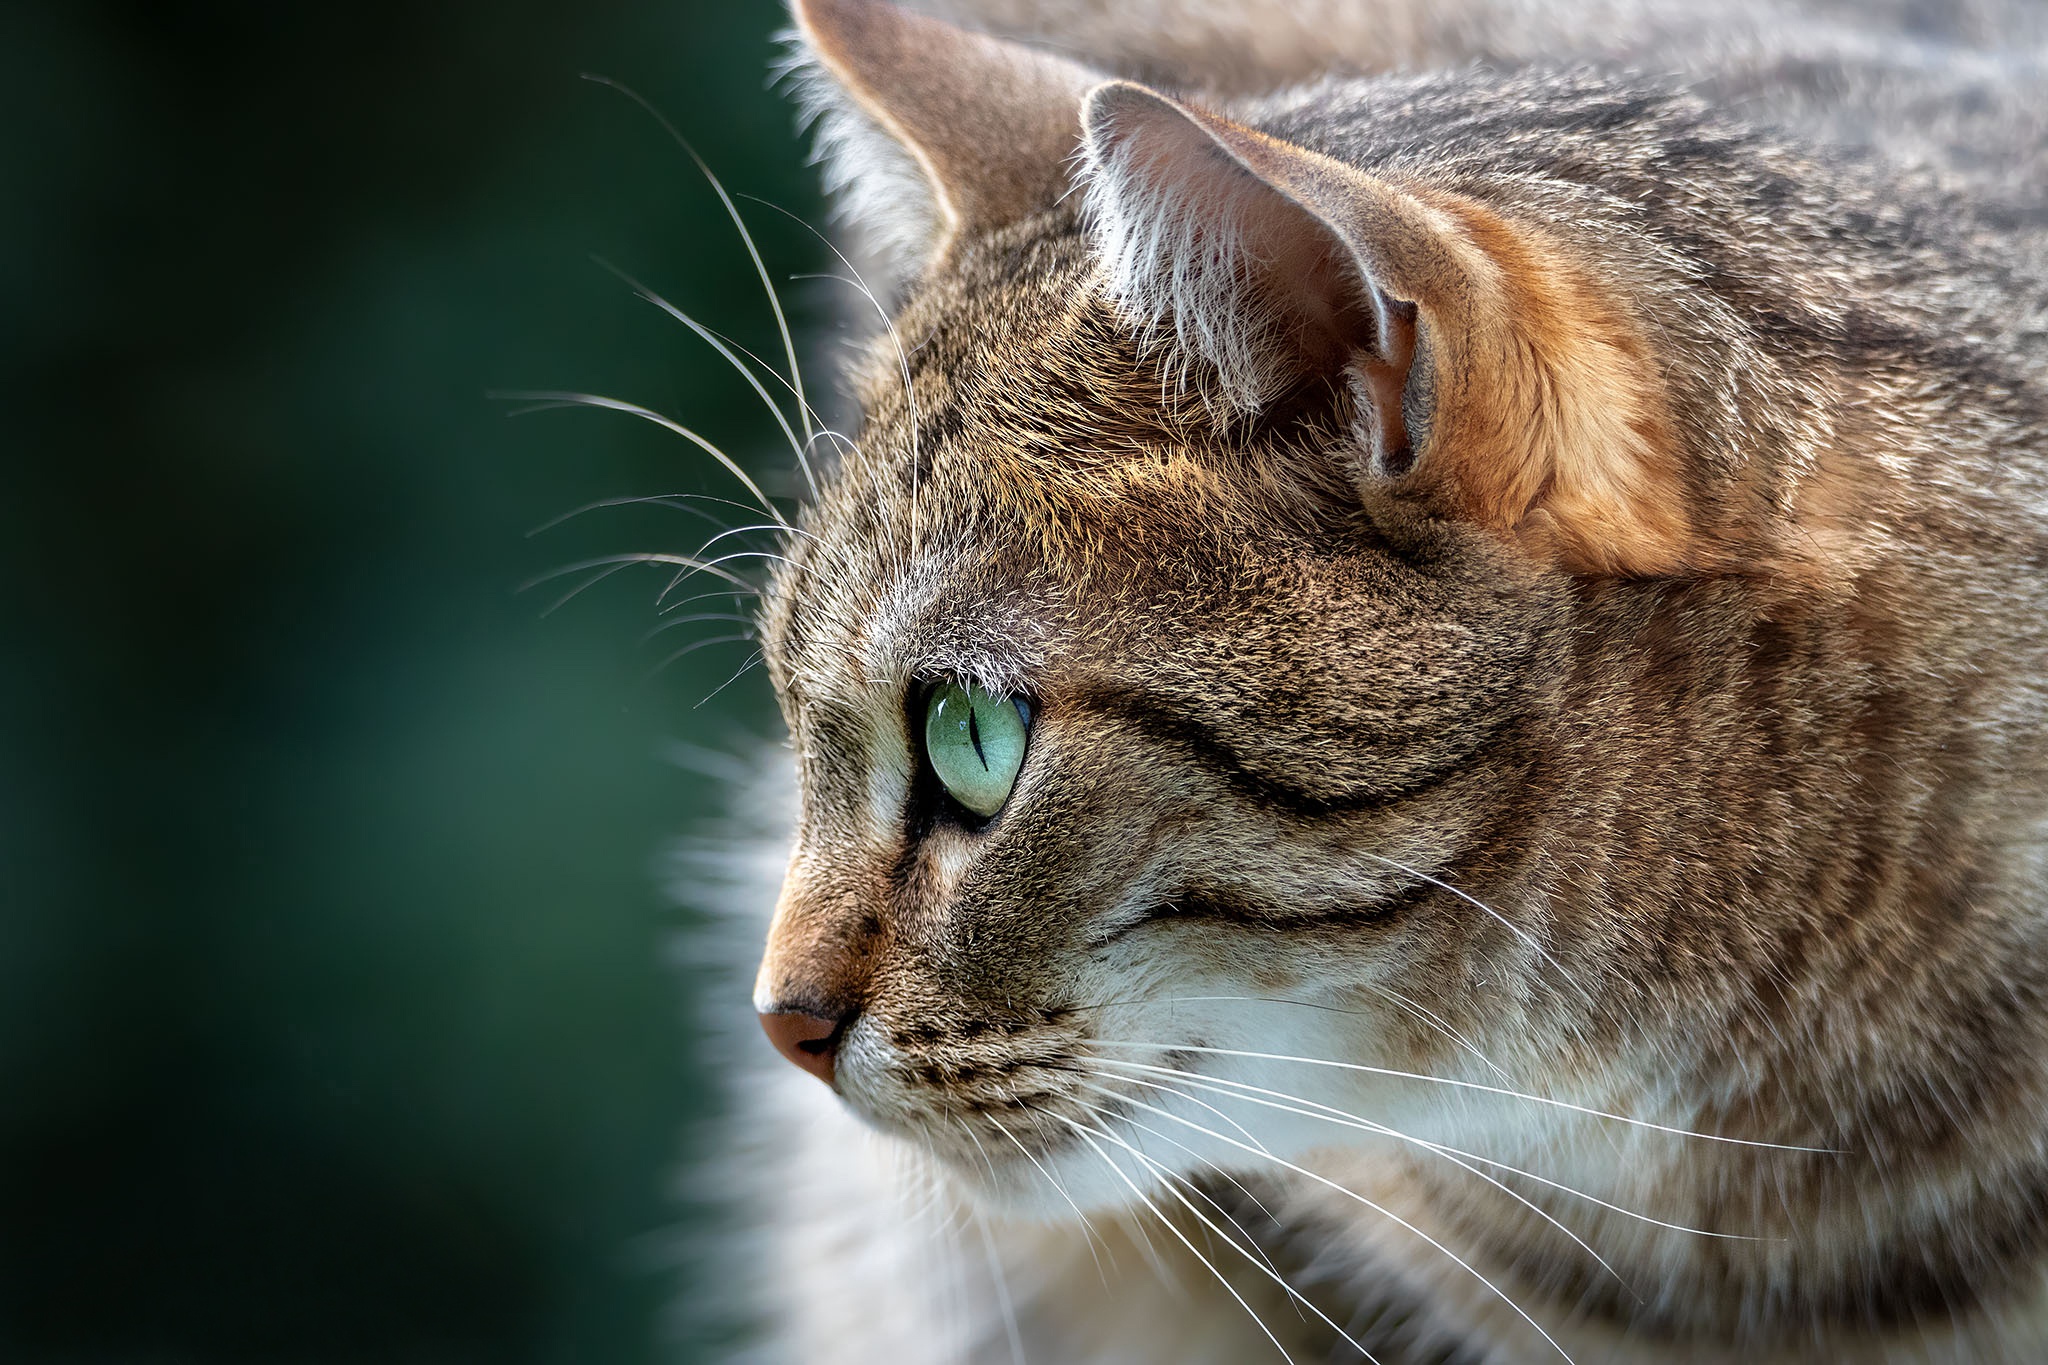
x=809, y=1040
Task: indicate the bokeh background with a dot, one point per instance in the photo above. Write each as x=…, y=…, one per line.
x=337, y=1021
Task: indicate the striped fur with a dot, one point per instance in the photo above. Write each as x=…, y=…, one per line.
x=1556, y=898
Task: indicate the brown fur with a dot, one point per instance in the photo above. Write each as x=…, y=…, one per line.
x=1702, y=644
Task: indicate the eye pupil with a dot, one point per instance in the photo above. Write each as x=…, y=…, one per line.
x=974, y=733
x=974, y=742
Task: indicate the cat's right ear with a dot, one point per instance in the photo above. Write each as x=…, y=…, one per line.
x=928, y=132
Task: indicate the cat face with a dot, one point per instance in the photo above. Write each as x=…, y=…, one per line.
x=1255, y=722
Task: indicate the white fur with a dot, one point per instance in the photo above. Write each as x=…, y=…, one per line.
x=1174, y=260
x=882, y=204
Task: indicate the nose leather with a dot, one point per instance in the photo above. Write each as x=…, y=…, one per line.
x=809, y=1040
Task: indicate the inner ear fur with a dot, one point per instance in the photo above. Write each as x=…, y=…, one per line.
x=989, y=125
x=1495, y=381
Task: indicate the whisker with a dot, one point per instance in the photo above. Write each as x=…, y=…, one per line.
x=717, y=343
x=796, y=379
x=1430, y=1018
x=694, y=618
x=902, y=362
x=617, y=562
x=699, y=597
x=1465, y=1085
x=1084, y=1132
x=1087, y=1227
x=1242, y=1131
x=1382, y=1130
x=566, y=598
x=1002, y=1283
x=1498, y=917
x=679, y=501
x=1331, y=1114
x=750, y=663
x=816, y=421
x=1391, y=1217
x=1396, y=997
x=697, y=566
x=1239, y=1185
x=544, y=399
x=694, y=646
x=1167, y=1180
x=995, y=1261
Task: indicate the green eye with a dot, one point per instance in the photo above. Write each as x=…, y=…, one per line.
x=974, y=741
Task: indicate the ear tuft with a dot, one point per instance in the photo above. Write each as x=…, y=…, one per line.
x=1172, y=220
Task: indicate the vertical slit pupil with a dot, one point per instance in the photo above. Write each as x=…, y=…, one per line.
x=974, y=732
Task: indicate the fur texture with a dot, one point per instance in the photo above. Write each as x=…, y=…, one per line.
x=1532, y=838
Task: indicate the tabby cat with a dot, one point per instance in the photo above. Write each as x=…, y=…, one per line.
x=1419, y=700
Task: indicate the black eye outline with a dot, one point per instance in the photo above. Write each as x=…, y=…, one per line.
x=931, y=804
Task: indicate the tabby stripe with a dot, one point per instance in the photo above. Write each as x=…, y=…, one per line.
x=1250, y=912
x=1171, y=725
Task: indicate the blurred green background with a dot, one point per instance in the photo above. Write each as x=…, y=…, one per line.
x=336, y=1016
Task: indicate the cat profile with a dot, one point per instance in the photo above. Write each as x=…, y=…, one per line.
x=1419, y=702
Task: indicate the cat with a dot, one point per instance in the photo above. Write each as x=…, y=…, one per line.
x=1418, y=703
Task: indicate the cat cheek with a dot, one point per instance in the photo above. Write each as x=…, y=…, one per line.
x=947, y=857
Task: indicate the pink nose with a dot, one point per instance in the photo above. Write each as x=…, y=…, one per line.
x=809, y=1040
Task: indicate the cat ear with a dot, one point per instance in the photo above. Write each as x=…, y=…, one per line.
x=1492, y=379
x=930, y=132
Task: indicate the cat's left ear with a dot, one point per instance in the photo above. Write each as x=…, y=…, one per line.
x=928, y=132
x=1492, y=377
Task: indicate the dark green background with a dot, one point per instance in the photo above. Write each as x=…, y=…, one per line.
x=335, y=1023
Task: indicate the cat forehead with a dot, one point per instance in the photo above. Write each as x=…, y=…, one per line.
x=1013, y=341
x=1011, y=394
x=1027, y=470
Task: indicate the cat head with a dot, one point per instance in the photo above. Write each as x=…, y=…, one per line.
x=1168, y=651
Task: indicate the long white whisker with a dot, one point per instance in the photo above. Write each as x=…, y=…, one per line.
x=1084, y=1133
x=1168, y=1179
x=995, y=1260
x=1396, y=997
x=796, y=379
x=1002, y=1283
x=699, y=597
x=617, y=562
x=586, y=585
x=695, y=645
x=816, y=421
x=679, y=501
x=1087, y=1228
x=696, y=617
x=1391, y=1217
x=742, y=672
x=1463, y=1085
x=1382, y=1130
x=1328, y=1113
x=553, y=398
x=696, y=566
x=717, y=343
x=1103, y=1113
x=1430, y=1018
x=1498, y=917
x=902, y=364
